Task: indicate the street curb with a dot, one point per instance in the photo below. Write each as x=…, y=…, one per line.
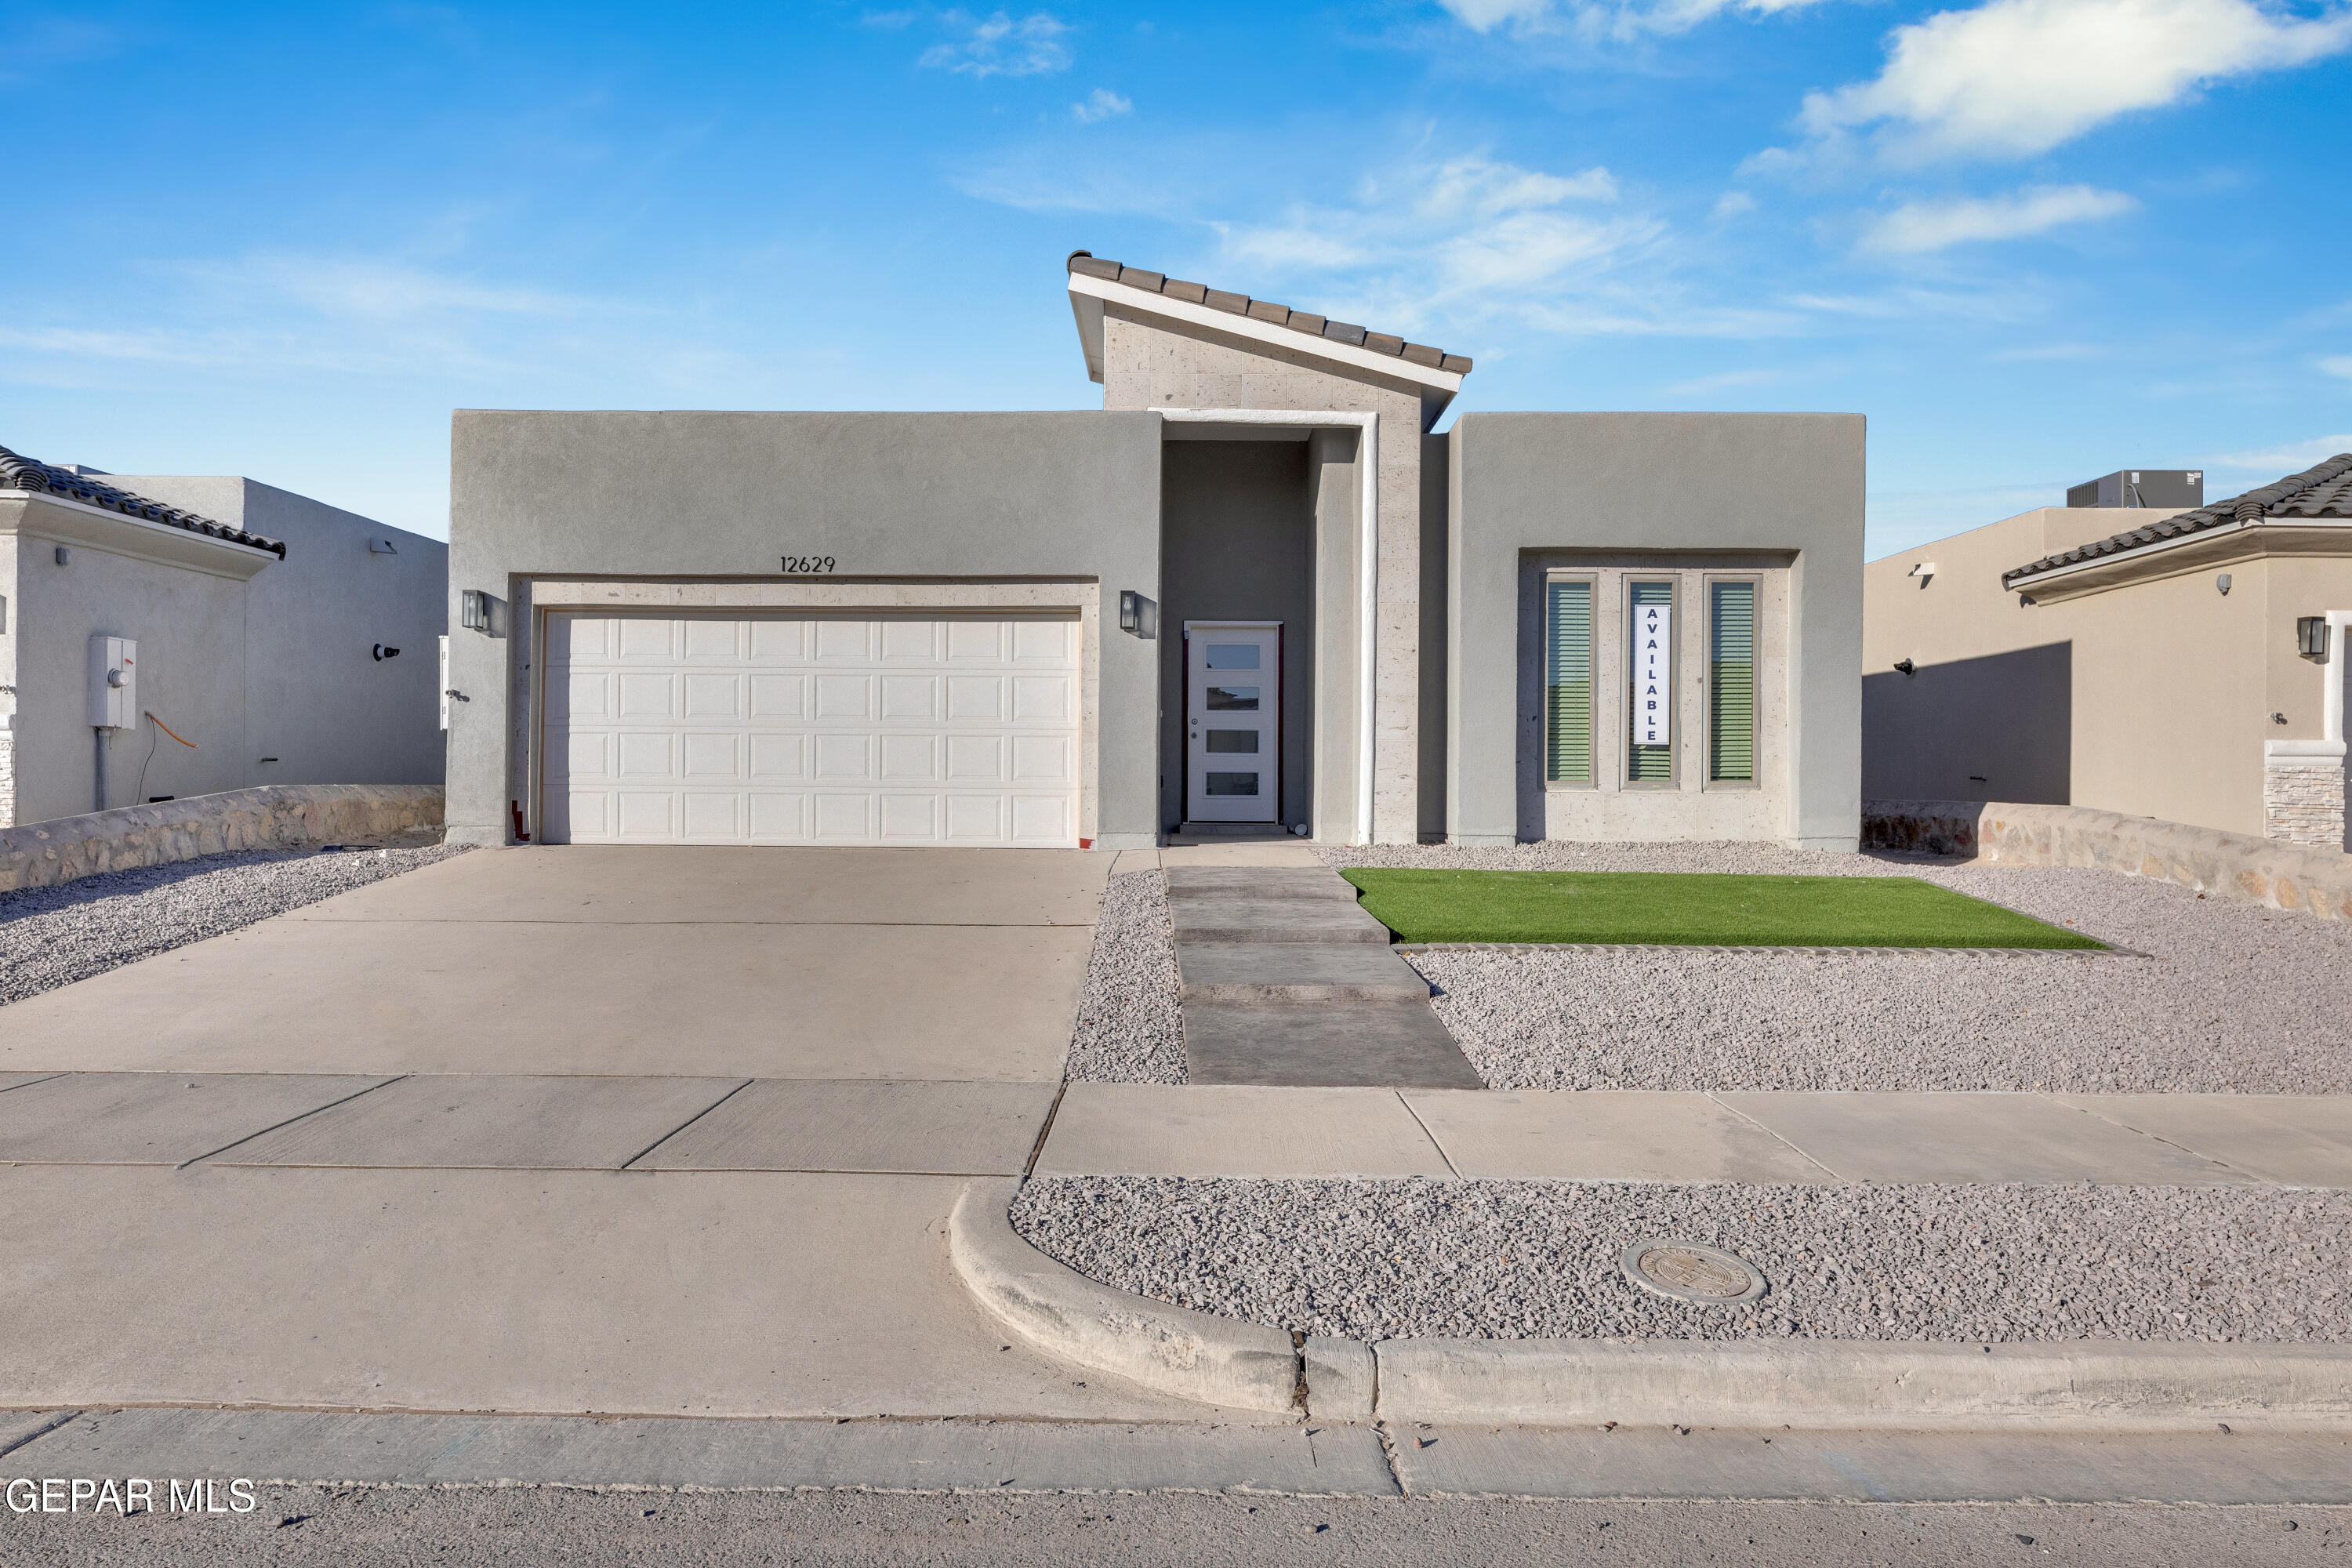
x=1849, y=1385
x=1193, y=1355
x=1853, y=1384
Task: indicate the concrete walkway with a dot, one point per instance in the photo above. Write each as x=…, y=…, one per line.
x=1191, y=1130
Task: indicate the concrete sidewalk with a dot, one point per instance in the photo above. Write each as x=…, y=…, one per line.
x=1103, y=1129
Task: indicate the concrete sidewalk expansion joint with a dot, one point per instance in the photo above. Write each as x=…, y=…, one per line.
x=2090, y=1385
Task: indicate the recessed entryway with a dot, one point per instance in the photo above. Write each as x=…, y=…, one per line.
x=1232, y=721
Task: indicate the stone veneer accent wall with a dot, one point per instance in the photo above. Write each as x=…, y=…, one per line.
x=2303, y=793
x=2260, y=870
x=270, y=817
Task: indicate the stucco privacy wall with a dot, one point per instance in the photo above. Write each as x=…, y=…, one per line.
x=1163, y=363
x=271, y=816
x=954, y=498
x=2238, y=865
x=183, y=596
x=1788, y=484
x=316, y=698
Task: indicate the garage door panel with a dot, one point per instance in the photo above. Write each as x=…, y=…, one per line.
x=845, y=695
x=1041, y=699
x=812, y=729
x=647, y=642
x=779, y=697
x=778, y=818
x=908, y=758
x=842, y=756
x=844, y=641
x=779, y=756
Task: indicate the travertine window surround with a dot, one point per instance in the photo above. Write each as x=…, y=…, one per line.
x=1161, y=364
x=1080, y=597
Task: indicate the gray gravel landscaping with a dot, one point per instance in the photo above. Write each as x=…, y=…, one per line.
x=54, y=936
x=2231, y=997
x=1373, y=1260
x=1130, y=1028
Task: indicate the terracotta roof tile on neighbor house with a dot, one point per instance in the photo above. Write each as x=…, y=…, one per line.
x=1268, y=311
x=2323, y=491
x=20, y=473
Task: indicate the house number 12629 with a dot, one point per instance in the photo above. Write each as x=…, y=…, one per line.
x=808, y=564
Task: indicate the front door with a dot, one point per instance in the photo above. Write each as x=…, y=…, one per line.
x=1233, y=713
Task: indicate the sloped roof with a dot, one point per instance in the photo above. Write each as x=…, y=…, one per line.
x=1307, y=321
x=2322, y=490
x=21, y=473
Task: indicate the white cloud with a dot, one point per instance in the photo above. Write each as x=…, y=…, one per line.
x=999, y=46
x=1100, y=105
x=1918, y=227
x=2337, y=364
x=2015, y=77
x=2291, y=458
x=1732, y=204
x=1617, y=20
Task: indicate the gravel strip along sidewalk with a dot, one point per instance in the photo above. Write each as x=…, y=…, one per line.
x=2232, y=997
x=1423, y=1259
x=1130, y=1028
x=54, y=936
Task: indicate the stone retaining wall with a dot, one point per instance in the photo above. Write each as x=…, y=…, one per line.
x=2261, y=871
x=271, y=816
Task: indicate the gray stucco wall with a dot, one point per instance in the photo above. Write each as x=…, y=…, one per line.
x=1239, y=545
x=1701, y=482
x=315, y=695
x=960, y=496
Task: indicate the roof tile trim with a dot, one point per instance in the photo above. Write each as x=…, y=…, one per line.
x=23, y=474
x=2325, y=489
x=1268, y=310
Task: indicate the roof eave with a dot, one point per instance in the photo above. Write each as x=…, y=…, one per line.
x=2026, y=579
x=1439, y=386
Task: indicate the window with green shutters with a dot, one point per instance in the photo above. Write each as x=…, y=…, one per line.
x=1731, y=683
x=1568, y=684
x=1651, y=763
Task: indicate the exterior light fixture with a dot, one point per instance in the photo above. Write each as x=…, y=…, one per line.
x=2222, y=583
x=1138, y=616
x=1905, y=667
x=474, y=610
x=2311, y=637
x=1922, y=570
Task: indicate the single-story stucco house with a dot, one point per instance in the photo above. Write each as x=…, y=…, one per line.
x=167, y=635
x=1254, y=589
x=2179, y=662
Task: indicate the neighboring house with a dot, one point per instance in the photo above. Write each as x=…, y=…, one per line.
x=1253, y=590
x=2187, y=666
x=259, y=623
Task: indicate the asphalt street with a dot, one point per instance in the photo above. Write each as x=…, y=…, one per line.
x=508, y=1526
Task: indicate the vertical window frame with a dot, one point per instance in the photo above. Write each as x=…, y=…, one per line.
x=1591, y=583
x=1676, y=718
x=1756, y=683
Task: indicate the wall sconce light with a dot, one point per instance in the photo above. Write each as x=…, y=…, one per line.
x=1923, y=570
x=1138, y=616
x=2222, y=583
x=474, y=610
x=1906, y=667
x=2311, y=637
x=2026, y=601
x=382, y=653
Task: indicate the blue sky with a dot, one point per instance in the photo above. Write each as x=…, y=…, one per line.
x=2033, y=240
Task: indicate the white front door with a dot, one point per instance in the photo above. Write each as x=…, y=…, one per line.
x=1232, y=722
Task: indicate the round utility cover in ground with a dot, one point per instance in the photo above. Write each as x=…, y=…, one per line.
x=1691, y=1271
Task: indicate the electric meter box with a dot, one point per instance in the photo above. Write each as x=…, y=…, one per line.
x=113, y=682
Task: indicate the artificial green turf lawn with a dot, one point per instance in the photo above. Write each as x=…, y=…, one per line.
x=1682, y=907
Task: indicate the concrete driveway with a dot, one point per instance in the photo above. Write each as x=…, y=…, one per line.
x=834, y=963
x=556, y=1130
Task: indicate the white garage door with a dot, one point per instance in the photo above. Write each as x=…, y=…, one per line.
x=811, y=730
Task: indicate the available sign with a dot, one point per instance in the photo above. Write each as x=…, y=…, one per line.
x=1653, y=664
